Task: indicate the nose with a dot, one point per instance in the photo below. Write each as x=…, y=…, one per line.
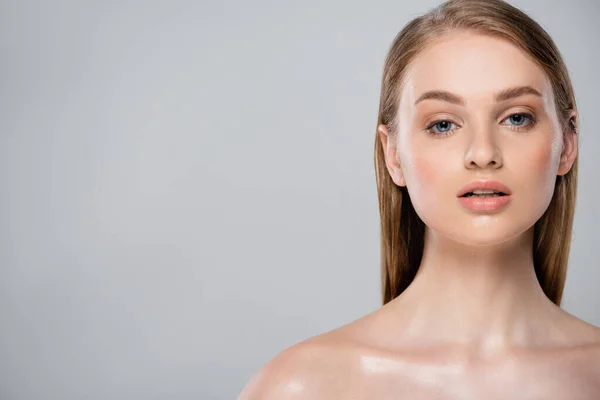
x=483, y=152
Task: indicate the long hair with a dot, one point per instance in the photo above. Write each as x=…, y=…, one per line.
x=402, y=230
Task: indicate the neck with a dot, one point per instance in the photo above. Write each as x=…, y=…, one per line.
x=486, y=298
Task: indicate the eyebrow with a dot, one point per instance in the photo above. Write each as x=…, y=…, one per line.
x=502, y=95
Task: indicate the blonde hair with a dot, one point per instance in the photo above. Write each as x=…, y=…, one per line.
x=402, y=231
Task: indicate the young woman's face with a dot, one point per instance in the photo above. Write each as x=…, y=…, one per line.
x=443, y=145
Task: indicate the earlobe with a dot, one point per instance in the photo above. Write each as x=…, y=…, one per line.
x=389, y=151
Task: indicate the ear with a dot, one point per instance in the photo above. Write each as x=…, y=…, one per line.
x=569, y=152
x=389, y=150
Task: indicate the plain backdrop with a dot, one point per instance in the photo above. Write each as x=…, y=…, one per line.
x=187, y=187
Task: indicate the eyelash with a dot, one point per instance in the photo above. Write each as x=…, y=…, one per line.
x=518, y=128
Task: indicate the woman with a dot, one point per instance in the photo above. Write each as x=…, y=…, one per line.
x=476, y=165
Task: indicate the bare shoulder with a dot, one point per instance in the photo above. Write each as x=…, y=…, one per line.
x=582, y=333
x=592, y=351
x=325, y=366
x=581, y=366
x=583, y=356
x=313, y=369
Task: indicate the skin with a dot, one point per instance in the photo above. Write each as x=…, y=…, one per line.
x=475, y=322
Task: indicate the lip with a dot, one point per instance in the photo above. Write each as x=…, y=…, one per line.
x=484, y=185
x=484, y=204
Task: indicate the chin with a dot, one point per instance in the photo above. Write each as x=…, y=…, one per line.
x=483, y=230
x=490, y=240
x=485, y=235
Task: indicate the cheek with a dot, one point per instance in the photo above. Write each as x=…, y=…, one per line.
x=534, y=178
x=540, y=167
x=428, y=174
x=428, y=180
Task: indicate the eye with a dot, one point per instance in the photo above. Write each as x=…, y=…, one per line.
x=443, y=124
x=520, y=120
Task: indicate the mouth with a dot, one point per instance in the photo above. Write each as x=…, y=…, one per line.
x=484, y=188
x=484, y=202
x=484, y=195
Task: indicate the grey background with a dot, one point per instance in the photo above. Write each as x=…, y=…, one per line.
x=187, y=187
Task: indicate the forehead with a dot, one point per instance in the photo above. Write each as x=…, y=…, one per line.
x=474, y=66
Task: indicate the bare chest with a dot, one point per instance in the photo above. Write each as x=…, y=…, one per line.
x=384, y=380
x=429, y=388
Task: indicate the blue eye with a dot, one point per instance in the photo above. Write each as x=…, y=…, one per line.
x=443, y=124
x=520, y=120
